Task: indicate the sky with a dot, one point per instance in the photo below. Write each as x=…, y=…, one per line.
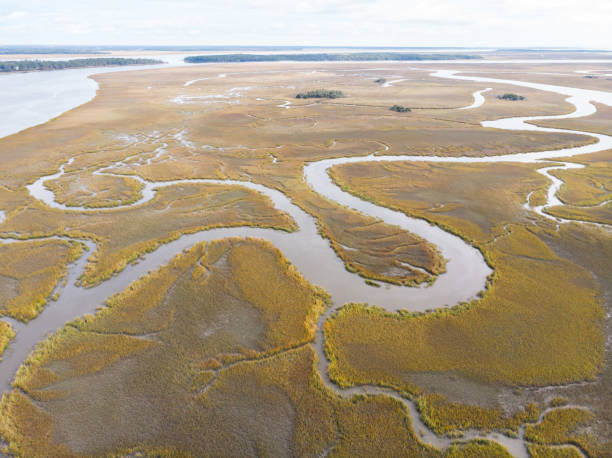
x=464, y=23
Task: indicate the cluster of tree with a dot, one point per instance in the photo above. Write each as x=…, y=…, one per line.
x=380, y=81
x=42, y=65
x=400, y=109
x=357, y=56
x=321, y=94
x=510, y=96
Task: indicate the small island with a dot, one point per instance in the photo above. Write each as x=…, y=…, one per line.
x=48, y=65
x=321, y=94
x=510, y=96
x=400, y=109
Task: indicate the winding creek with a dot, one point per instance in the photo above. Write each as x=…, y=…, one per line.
x=466, y=271
x=478, y=99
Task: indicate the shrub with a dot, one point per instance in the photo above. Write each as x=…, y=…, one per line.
x=510, y=96
x=400, y=109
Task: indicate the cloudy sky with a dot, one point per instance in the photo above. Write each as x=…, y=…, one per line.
x=574, y=23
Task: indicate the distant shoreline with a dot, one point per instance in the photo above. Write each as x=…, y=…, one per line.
x=24, y=66
x=319, y=57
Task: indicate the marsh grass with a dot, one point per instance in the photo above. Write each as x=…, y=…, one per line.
x=6, y=335
x=445, y=417
x=270, y=284
x=379, y=251
x=586, y=192
x=600, y=214
x=542, y=451
x=599, y=122
x=501, y=338
x=589, y=186
x=173, y=212
x=199, y=358
x=126, y=111
x=155, y=339
x=369, y=247
x=377, y=426
x=30, y=271
x=472, y=200
x=477, y=449
x=540, y=322
x=94, y=191
x=558, y=426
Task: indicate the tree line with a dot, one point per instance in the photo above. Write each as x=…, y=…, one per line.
x=46, y=65
x=358, y=56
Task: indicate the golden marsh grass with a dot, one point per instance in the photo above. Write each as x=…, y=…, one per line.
x=6, y=335
x=30, y=271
